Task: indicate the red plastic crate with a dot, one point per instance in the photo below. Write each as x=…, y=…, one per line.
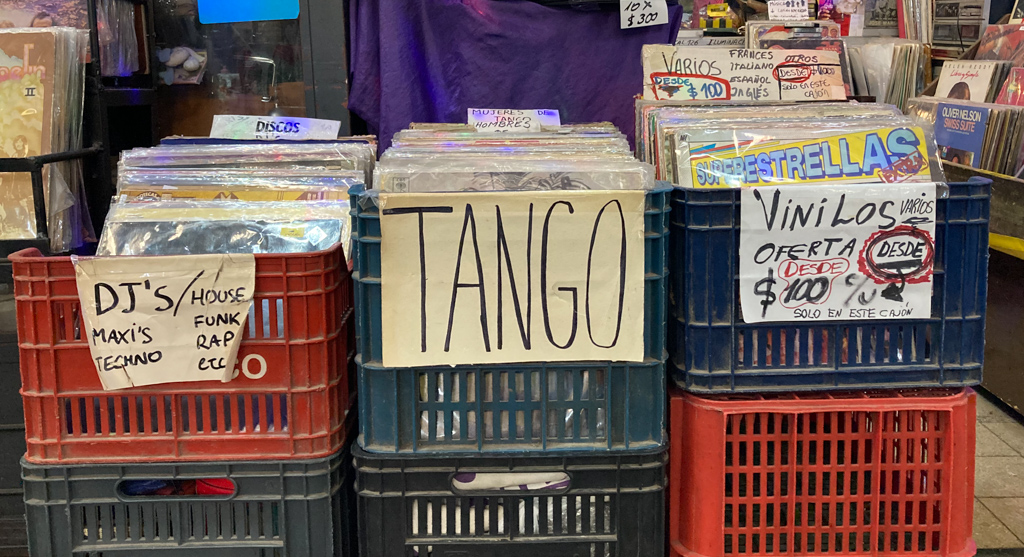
x=822, y=474
x=300, y=325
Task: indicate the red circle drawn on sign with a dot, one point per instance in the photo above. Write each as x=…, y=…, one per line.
x=870, y=268
x=805, y=75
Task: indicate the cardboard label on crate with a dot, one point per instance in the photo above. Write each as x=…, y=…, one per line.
x=231, y=126
x=711, y=73
x=167, y=319
x=501, y=277
x=500, y=120
x=837, y=252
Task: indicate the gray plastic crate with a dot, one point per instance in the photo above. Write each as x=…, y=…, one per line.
x=295, y=508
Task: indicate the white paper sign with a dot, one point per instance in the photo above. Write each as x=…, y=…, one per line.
x=481, y=278
x=696, y=37
x=788, y=10
x=510, y=120
x=707, y=73
x=151, y=320
x=642, y=13
x=272, y=127
x=837, y=252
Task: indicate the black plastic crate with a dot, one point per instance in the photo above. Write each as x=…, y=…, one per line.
x=712, y=350
x=299, y=508
x=607, y=506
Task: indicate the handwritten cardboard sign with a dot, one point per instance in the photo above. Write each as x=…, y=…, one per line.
x=788, y=10
x=272, y=127
x=837, y=252
x=171, y=319
x=642, y=13
x=510, y=120
x=479, y=278
x=707, y=73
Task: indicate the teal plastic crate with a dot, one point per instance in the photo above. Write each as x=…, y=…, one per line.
x=366, y=273
x=512, y=408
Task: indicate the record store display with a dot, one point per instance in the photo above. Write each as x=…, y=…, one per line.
x=972, y=80
x=563, y=159
x=980, y=135
x=41, y=101
x=718, y=146
x=235, y=197
x=537, y=327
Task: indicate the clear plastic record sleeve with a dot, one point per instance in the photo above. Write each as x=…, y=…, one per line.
x=167, y=179
x=716, y=153
x=256, y=155
x=183, y=227
x=667, y=121
x=499, y=174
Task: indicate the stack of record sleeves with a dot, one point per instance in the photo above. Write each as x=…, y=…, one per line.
x=235, y=198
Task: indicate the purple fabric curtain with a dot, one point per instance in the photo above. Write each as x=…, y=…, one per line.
x=430, y=60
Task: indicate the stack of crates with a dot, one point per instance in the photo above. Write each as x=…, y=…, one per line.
x=259, y=466
x=592, y=433
x=827, y=437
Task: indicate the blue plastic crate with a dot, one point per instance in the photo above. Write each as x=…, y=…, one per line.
x=512, y=408
x=711, y=349
x=366, y=271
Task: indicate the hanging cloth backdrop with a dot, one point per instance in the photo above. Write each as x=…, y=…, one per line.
x=430, y=60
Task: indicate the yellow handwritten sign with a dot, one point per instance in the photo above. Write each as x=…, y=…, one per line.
x=477, y=278
x=151, y=320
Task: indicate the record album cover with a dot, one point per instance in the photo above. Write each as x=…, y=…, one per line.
x=960, y=132
x=1012, y=91
x=44, y=13
x=26, y=96
x=967, y=80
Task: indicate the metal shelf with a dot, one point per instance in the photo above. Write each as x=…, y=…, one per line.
x=34, y=166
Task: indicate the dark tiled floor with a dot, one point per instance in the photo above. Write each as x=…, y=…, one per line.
x=999, y=480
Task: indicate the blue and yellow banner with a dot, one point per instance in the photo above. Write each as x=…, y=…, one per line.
x=886, y=155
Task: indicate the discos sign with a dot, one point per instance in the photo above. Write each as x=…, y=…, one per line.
x=837, y=252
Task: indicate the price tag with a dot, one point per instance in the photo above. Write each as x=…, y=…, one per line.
x=788, y=10
x=232, y=126
x=502, y=120
x=642, y=13
x=871, y=257
x=151, y=320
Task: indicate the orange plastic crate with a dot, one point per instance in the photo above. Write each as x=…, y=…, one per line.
x=822, y=474
x=293, y=407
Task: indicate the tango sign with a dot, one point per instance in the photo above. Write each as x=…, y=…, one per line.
x=510, y=277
